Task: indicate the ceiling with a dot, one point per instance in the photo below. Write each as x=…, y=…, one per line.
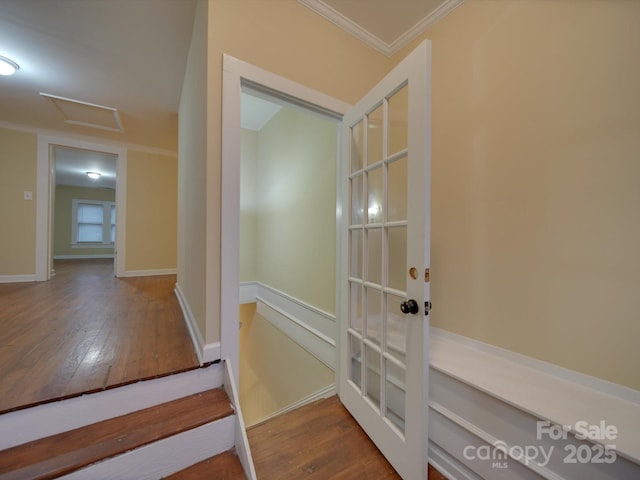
x=130, y=56
x=72, y=165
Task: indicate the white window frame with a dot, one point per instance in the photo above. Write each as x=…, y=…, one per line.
x=106, y=224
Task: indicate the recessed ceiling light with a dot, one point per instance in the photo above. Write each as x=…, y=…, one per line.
x=94, y=175
x=7, y=67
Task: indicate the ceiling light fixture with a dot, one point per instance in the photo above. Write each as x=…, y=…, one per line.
x=7, y=67
x=94, y=175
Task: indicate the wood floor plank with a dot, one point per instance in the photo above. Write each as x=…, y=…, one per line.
x=225, y=466
x=60, y=454
x=85, y=330
x=318, y=441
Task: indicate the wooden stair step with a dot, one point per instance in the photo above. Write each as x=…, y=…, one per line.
x=66, y=452
x=225, y=466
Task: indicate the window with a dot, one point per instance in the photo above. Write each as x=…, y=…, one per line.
x=93, y=223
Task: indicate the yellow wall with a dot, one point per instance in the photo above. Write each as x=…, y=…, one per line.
x=17, y=215
x=536, y=180
x=192, y=168
x=249, y=205
x=63, y=215
x=296, y=222
x=152, y=210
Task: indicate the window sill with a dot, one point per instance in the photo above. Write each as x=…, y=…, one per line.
x=92, y=245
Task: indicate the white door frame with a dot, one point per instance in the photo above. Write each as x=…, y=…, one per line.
x=44, y=189
x=235, y=72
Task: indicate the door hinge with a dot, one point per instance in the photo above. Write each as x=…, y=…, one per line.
x=427, y=308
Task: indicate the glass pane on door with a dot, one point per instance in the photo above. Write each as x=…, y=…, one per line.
x=375, y=196
x=394, y=393
x=397, y=259
x=378, y=249
x=396, y=338
x=374, y=255
x=357, y=143
x=357, y=205
x=356, y=240
x=374, y=323
x=372, y=381
x=398, y=120
x=355, y=366
x=356, y=312
x=397, y=190
x=374, y=136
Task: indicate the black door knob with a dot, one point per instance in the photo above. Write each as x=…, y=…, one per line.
x=410, y=306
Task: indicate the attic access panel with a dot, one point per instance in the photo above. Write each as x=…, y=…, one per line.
x=76, y=112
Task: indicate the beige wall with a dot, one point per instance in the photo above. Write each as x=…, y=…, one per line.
x=192, y=167
x=152, y=210
x=249, y=205
x=63, y=215
x=535, y=180
x=296, y=223
x=17, y=215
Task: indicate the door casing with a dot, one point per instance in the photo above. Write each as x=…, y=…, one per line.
x=237, y=73
x=44, y=189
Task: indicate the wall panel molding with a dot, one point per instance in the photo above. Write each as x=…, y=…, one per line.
x=486, y=399
x=313, y=329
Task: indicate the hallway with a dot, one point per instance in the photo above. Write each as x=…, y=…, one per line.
x=86, y=330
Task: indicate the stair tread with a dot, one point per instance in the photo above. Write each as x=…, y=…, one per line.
x=224, y=466
x=68, y=451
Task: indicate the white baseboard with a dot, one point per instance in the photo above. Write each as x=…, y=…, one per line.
x=83, y=257
x=189, y=319
x=481, y=396
x=326, y=392
x=23, y=426
x=206, y=352
x=241, y=441
x=211, y=352
x=17, y=278
x=150, y=273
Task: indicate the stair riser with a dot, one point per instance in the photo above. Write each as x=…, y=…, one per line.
x=166, y=456
x=41, y=421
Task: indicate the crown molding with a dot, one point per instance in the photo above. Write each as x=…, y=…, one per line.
x=367, y=37
x=423, y=25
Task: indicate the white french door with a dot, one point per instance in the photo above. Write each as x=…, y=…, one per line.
x=384, y=277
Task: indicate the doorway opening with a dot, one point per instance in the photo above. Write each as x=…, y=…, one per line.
x=287, y=254
x=84, y=205
x=71, y=151
x=308, y=322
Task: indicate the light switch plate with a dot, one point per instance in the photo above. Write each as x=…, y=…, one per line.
x=28, y=195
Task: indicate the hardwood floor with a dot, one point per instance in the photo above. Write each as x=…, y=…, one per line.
x=318, y=441
x=86, y=330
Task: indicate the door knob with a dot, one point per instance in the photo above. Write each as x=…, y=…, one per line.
x=410, y=306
